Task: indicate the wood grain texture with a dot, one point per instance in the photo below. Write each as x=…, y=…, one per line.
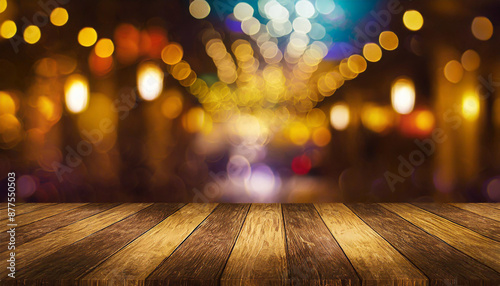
x=77, y=259
x=482, y=225
x=259, y=255
x=201, y=258
x=485, y=211
x=39, y=228
x=441, y=263
x=313, y=255
x=138, y=259
x=38, y=214
x=492, y=205
x=469, y=242
x=59, y=238
x=29, y=207
x=374, y=259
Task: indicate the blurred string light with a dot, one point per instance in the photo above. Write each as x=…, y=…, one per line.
x=59, y=16
x=470, y=60
x=8, y=29
x=372, y=52
x=340, y=116
x=403, y=95
x=87, y=36
x=76, y=93
x=172, y=54
x=199, y=9
x=149, y=80
x=482, y=28
x=413, y=20
x=32, y=34
x=388, y=40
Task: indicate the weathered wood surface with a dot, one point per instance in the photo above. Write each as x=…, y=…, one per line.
x=258, y=244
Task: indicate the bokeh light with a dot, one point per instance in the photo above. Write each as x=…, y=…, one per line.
x=76, y=93
x=87, y=36
x=104, y=48
x=199, y=9
x=470, y=60
x=149, y=80
x=413, y=20
x=8, y=29
x=453, y=71
x=471, y=106
x=482, y=28
x=372, y=52
x=388, y=40
x=243, y=11
x=3, y=5
x=172, y=54
x=301, y=165
x=59, y=16
x=403, y=95
x=7, y=104
x=172, y=105
x=32, y=34
x=340, y=116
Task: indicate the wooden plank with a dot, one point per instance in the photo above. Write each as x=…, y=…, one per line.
x=482, y=225
x=77, y=259
x=29, y=207
x=313, y=255
x=469, y=242
x=375, y=260
x=479, y=209
x=38, y=215
x=138, y=259
x=441, y=263
x=200, y=259
x=259, y=255
x=59, y=238
x=39, y=228
x=492, y=205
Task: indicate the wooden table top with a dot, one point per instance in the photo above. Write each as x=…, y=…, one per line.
x=254, y=244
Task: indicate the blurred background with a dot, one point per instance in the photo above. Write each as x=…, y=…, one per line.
x=250, y=101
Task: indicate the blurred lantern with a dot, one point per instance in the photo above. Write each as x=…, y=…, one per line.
x=340, y=116
x=76, y=93
x=149, y=80
x=403, y=95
